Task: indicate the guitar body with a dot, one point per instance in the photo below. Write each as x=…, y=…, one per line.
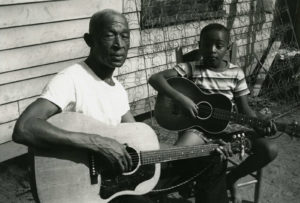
x=170, y=115
x=64, y=175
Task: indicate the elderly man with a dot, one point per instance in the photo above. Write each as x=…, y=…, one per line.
x=87, y=87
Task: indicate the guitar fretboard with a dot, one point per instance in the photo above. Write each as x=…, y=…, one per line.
x=240, y=118
x=176, y=153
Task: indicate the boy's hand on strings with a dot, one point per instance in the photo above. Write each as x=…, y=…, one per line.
x=268, y=130
x=189, y=106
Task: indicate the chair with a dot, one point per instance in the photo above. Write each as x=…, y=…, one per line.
x=231, y=56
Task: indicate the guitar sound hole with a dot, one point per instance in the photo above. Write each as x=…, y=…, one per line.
x=204, y=110
x=134, y=157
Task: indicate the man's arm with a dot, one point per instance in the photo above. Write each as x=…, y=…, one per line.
x=32, y=129
x=159, y=82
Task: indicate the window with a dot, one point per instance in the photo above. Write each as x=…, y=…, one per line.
x=159, y=13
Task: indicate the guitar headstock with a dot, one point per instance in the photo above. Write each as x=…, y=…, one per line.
x=240, y=144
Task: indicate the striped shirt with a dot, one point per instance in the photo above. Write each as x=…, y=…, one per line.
x=230, y=82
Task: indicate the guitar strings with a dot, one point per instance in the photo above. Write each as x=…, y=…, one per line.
x=227, y=115
x=166, y=154
x=175, y=153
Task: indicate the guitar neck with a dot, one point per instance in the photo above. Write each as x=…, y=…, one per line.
x=176, y=153
x=244, y=120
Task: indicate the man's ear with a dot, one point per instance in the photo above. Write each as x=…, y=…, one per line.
x=88, y=39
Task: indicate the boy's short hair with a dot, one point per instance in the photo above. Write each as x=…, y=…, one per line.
x=216, y=27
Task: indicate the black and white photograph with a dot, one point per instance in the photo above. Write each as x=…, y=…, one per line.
x=149, y=101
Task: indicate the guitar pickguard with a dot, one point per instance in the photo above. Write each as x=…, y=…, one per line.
x=111, y=186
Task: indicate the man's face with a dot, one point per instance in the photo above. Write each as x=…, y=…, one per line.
x=213, y=46
x=112, y=42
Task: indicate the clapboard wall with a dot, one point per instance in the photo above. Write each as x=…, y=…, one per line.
x=39, y=38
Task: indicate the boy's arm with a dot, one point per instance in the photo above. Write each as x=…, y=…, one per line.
x=128, y=118
x=159, y=82
x=32, y=129
x=244, y=108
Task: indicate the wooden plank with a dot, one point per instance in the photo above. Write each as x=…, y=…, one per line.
x=155, y=59
x=42, y=54
x=23, y=104
x=27, y=14
x=142, y=106
x=25, y=74
x=8, y=2
x=131, y=65
x=21, y=90
x=257, y=46
x=10, y=150
x=6, y=130
x=132, y=6
x=42, y=33
x=133, y=20
x=9, y=112
x=135, y=38
x=133, y=79
x=133, y=52
x=140, y=92
x=49, y=53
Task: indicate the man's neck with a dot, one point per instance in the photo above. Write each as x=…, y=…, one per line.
x=102, y=71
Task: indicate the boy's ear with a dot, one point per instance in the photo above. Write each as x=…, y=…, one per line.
x=88, y=39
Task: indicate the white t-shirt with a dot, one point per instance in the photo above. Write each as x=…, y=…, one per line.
x=78, y=89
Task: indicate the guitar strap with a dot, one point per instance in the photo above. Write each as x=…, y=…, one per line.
x=182, y=183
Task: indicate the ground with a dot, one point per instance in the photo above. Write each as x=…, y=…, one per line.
x=281, y=179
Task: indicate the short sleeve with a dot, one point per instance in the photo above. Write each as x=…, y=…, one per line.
x=241, y=87
x=183, y=69
x=60, y=90
x=126, y=106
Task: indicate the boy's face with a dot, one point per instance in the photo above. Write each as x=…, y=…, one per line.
x=213, y=46
x=112, y=43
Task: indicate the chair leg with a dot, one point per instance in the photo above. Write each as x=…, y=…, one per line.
x=258, y=186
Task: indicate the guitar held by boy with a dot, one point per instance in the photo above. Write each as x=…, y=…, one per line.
x=214, y=114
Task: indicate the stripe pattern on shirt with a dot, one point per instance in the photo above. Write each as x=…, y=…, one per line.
x=231, y=82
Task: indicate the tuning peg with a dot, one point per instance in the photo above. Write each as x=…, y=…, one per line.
x=242, y=154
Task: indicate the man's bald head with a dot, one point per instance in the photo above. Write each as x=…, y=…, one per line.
x=100, y=20
x=108, y=38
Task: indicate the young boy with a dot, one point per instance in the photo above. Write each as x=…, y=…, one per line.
x=214, y=74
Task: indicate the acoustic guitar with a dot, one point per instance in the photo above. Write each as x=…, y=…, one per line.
x=214, y=114
x=67, y=175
